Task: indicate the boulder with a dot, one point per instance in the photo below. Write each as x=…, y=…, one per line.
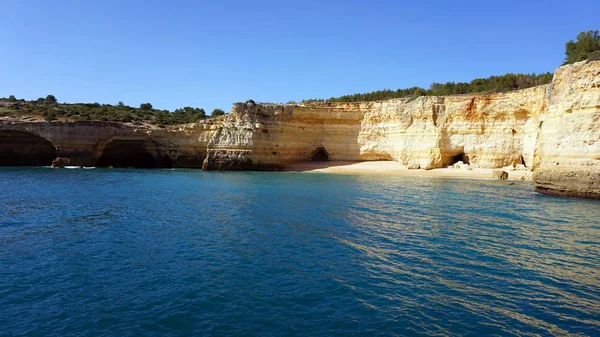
x=500, y=174
x=61, y=162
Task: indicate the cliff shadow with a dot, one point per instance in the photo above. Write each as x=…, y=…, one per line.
x=126, y=153
x=19, y=148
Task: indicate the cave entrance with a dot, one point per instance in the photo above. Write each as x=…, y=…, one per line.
x=131, y=154
x=320, y=154
x=460, y=157
x=18, y=148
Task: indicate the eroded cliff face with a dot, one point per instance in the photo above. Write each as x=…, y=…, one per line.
x=553, y=129
x=102, y=144
x=488, y=130
x=567, y=155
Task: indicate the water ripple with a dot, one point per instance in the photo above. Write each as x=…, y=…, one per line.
x=141, y=252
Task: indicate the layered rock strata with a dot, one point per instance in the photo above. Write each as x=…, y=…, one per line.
x=567, y=155
x=553, y=129
x=102, y=144
x=493, y=130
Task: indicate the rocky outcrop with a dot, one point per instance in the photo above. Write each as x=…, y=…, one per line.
x=500, y=175
x=567, y=155
x=553, y=130
x=18, y=148
x=102, y=144
x=493, y=130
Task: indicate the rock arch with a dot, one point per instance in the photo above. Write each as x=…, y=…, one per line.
x=19, y=148
x=132, y=153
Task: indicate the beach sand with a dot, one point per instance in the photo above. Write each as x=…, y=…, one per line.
x=395, y=168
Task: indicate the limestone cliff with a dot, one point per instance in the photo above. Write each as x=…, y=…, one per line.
x=488, y=130
x=567, y=155
x=102, y=144
x=552, y=129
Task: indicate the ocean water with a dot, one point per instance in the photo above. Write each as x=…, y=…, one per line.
x=106, y=252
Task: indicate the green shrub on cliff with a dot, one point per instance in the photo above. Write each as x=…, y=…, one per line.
x=586, y=47
x=217, y=112
x=49, y=115
x=189, y=113
x=146, y=106
x=101, y=112
x=502, y=83
x=50, y=99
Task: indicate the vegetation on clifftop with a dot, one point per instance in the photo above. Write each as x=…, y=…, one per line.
x=50, y=110
x=587, y=47
x=502, y=83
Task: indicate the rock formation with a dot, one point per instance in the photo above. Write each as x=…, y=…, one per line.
x=489, y=130
x=552, y=129
x=567, y=155
x=102, y=144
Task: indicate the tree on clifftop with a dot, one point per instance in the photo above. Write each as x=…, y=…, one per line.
x=587, y=44
x=217, y=112
x=50, y=99
x=146, y=106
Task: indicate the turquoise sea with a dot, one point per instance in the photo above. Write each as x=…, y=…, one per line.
x=107, y=252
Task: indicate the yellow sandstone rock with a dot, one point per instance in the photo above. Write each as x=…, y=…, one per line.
x=553, y=130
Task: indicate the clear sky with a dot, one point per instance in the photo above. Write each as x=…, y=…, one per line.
x=211, y=53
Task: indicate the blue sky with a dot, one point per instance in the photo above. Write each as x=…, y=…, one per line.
x=210, y=54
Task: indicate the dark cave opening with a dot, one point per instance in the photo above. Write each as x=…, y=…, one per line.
x=18, y=148
x=460, y=157
x=320, y=154
x=131, y=154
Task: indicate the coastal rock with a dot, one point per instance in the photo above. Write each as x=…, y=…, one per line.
x=102, y=144
x=491, y=130
x=61, y=162
x=579, y=180
x=500, y=174
x=527, y=176
x=567, y=155
x=553, y=129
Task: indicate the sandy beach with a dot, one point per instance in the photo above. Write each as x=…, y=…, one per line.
x=395, y=168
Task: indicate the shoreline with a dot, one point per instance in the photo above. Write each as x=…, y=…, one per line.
x=392, y=168
x=379, y=168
